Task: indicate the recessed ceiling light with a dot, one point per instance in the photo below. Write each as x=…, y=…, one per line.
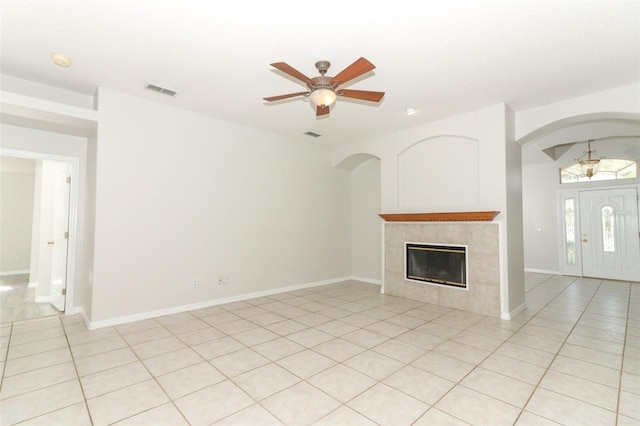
x=410, y=111
x=60, y=59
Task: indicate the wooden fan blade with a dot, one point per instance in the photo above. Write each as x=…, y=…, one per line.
x=288, y=69
x=354, y=70
x=365, y=95
x=322, y=110
x=279, y=97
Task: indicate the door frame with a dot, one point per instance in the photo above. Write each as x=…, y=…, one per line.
x=74, y=163
x=563, y=194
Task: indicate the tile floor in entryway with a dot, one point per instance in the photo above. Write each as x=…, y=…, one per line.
x=339, y=354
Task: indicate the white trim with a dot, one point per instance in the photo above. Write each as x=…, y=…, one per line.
x=33, y=285
x=83, y=314
x=542, y=271
x=73, y=210
x=511, y=315
x=73, y=311
x=19, y=272
x=43, y=299
x=92, y=325
x=382, y=257
x=367, y=280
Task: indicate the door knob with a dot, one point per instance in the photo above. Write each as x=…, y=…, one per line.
x=584, y=240
x=51, y=242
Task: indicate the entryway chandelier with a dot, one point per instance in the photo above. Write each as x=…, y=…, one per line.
x=588, y=165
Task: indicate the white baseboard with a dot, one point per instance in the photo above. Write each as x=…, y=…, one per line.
x=367, y=280
x=514, y=313
x=20, y=272
x=43, y=299
x=93, y=325
x=33, y=285
x=542, y=271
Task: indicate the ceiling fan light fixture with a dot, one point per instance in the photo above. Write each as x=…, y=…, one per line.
x=322, y=96
x=323, y=90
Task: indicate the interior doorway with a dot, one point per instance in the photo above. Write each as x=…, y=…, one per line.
x=44, y=287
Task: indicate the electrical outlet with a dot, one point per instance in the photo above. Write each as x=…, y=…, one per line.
x=195, y=283
x=223, y=279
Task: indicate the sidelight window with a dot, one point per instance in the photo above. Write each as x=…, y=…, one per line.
x=570, y=230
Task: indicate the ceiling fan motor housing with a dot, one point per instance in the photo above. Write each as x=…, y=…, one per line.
x=320, y=82
x=322, y=67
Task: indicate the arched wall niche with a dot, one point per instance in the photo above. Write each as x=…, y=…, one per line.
x=354, y=160
x=366, y=226
x=440, y=170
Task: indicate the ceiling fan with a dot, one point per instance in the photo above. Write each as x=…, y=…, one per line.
x=323, y=89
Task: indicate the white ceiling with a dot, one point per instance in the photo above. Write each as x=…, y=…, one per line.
x=442, y=57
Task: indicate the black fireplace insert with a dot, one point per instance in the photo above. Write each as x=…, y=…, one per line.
x=437, y=264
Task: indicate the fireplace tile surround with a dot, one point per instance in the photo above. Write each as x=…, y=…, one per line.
x=483, y=241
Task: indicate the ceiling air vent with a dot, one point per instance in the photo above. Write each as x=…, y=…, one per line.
x=315, y=135
x=160, y=89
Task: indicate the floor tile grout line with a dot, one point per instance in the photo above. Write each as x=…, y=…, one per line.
x=55, y=384
x=557, y=353
x=624, y=348
x=155, y=379
x=75, y=366
x=6, y=356
x=584, y=310
x=523, y=409
x=537, y=385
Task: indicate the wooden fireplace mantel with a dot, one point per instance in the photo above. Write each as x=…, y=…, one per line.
x=440, y=217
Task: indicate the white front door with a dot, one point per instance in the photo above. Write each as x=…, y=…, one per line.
x=59, y=173
x=609, y=234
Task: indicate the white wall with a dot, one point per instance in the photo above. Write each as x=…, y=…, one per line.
x=16, y=214
x=181, y=196
x=366, y=225
x=540, y=217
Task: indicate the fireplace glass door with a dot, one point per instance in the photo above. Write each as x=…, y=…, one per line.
x=437, y=264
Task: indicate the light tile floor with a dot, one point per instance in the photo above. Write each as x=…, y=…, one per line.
x=339, y=354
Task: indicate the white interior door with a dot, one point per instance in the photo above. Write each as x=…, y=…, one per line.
x=59, y=173
x=609, y=234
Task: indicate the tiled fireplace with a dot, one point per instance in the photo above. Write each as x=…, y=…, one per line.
x=476, y=232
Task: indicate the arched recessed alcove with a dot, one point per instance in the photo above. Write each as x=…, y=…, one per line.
x=366, y=226
x=354, y=160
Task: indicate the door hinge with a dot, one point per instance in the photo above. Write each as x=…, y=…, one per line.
x=64, y=291
x=68, y=179
x=66, y=235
